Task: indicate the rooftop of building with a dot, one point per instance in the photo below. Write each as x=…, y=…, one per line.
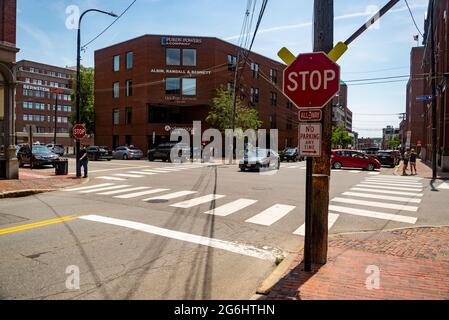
x=44, y=65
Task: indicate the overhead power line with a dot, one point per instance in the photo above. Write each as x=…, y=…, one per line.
x=413, y=18
x=109, y=26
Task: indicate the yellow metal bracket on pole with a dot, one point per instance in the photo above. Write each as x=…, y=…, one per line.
x=334, y=54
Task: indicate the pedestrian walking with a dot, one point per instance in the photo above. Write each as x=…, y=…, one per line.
x=83, y=162
x=406, y=159
x=413, y=157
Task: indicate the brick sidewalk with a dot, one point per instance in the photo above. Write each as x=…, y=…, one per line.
x=413, y=264
x=424, y=170
x=38, y=180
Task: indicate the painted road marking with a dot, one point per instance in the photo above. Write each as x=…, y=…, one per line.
x=294, y=167
x=122, y=191
x=241, y=249
x=197, y=201
x=271, y=215
x=139, y=194
x=394, y=180
x=231, y=208
x=444, y=186
x=367, y=185
x=399, y=193
x=376, y=204
x=90, y=187
x=373, y=214
x=143, y=173
x=105, y=189
x=155, y=171
x=301, y=231
x=393, y=184
x=36, y=225
x=125, y=175
x=381, y=197
x=354, y=171
x=172, y=196
x=399, y=178
x=111, y=178
x=374, y=173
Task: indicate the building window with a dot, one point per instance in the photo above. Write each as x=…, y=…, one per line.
x=255, y=70
x=129, y=60
x=173, y=86
x=128, y=115
x=173, y=57
x=189, y=87
x=232, y=62
x=115, y=142
x=289, y=105
x=273, y=98
x=289, y=124
x=189, y=57
x=254, y=95
x=116, y=89
x=273, y=76
x=128, y=140
x=115, y=117
x=129, y=88
x=273, y=124
x=116, y=63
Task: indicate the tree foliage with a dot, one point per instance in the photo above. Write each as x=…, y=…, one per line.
x=394, y=143
x=87, y=99
x=340, y=137
x=220, y=114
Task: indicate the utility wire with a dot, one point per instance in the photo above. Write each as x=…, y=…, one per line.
x=413, y=18
x=107, y=28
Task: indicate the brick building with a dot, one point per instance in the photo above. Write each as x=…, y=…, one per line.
x=150, y=85
x=35, y=103
x=9, y=168
x=440, y=16
x=341, y=114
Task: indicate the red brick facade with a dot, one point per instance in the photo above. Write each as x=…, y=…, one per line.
x=8, y=21
x=148, y=114
x=35, y=103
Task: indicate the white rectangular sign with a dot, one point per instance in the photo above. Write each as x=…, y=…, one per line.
x=310, y=139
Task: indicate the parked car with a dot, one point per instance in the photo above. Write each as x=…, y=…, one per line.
x=36, y=156
x=56, y=148
x=257, y=159
x=163, y=151
x=353, y=159
x=291, y=154
x=125, y=153
x=96, y=153
x=389, y=158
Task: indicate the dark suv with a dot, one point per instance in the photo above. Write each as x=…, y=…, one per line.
x=96, y=153
x=389, y=158
x=291, y=154
x=163, y=151
x=36, y=156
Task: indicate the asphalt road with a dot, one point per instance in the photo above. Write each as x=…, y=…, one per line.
x=145, y=230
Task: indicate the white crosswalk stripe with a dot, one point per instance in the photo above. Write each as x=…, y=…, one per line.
x=105, y=189
x=155, y=171
x=393, y=184
x=367, y=185
x=376, y=204
x=444, y=186
x=374, y=173
x=111, y=178
x=125, y=175
x=109, y=193
x=89, y=187
x=381, y=197
x=393, y=180
x=399, y=193
x=140, y=194
x=271, y=215
x=231, y=208
x=373, y=214
x=197, y=201
x=142, y=173
x=171, y=196
x=301, y=231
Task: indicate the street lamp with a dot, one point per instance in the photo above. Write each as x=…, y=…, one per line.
x=78, y=79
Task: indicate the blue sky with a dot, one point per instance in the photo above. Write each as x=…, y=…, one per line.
x=383, y=51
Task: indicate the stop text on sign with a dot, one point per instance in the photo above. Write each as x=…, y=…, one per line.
x=310, y=139
x=310, y=80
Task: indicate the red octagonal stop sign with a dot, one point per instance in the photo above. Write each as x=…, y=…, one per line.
x=312, y=80
x=79, y=131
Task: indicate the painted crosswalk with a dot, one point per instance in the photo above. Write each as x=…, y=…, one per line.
x=387, y=198
x=444, y=186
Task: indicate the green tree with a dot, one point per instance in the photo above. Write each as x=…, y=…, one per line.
x=340, y=137
x=394, y=143
x=220, y=114
x=87, y=111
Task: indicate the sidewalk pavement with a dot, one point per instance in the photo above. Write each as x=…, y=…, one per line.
x=36, y=181
x=424, y=170
x=407, y=264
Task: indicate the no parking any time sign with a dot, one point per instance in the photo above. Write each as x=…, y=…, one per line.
x=310, y=140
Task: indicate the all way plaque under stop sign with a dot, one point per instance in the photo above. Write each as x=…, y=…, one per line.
x=310, y=139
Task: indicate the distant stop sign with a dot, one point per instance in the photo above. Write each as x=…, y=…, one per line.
x=312, y=80
x=79, y=131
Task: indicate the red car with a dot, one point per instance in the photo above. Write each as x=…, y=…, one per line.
x=353, y=159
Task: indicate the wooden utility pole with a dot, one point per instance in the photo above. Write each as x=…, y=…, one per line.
x=323, y=37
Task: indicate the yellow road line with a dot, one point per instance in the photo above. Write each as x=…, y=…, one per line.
x=36, y=225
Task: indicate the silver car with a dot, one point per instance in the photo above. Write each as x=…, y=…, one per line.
x=259, y=159
x=125, y=153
